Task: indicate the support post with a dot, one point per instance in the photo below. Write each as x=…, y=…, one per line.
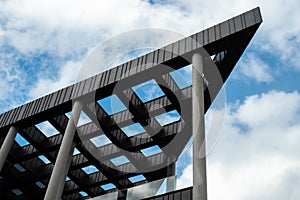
x=171, y=179
x=7, y=144
x=199, y=163
x=63, y=160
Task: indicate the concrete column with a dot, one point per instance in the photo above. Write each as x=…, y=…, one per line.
x=199, y=163
x=7, y=144
x=171, y=179
x=63, y=160
x=62, y=183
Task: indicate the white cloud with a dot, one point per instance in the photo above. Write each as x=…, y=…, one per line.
x=257, y=156
x=34, y=26
x=278, y=34
x=282, y=108
x=66, y=76
x=9, y=74
x=12, y=80
x=2, y=33
x=281, y=31
x=186, y=179
x=253, y=67
x=121, y=48
x=47, y=25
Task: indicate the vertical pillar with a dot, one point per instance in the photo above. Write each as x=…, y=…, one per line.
x=171, y=179
x=7, y=144
x=62, y=183
x=63, y=160
x=199, y=163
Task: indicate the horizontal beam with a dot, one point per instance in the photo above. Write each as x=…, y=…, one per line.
x=212, y=39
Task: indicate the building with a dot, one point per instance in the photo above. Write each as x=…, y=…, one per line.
x=69, y=164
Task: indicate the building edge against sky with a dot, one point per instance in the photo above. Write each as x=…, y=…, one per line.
x=34, y=162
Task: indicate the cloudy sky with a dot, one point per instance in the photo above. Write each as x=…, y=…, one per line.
x=43, y=45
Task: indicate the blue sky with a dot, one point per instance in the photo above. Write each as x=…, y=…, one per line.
x=257, y=150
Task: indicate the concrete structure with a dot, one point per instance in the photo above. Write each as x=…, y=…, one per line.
x=7, y=144
x=50, y=168
x=199, y=163
x=63, y=160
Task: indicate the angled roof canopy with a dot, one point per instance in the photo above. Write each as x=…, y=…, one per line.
x=98, y=161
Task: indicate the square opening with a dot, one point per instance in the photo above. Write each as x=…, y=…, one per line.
x=19, y=168
x=133, y=129
x=40, y=184
x=47, y=129
x=21, y=141
x=76, y=152
x=90, y=169
x=44, y=159
x=100, y=140
x=83, y=118
x=17, y=192
x=119, y=160
x=151, y=151
x=137, y=178
x=168, y=118
x=182, y=76
x=108, y=186
x=82, y=193
x=148, y=91
x=112, y=104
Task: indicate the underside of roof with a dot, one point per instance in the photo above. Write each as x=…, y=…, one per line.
x=27, y=171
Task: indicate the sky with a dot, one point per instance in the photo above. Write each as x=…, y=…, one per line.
x=43, y=45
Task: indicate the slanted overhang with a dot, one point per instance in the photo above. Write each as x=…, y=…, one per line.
x=225, y=41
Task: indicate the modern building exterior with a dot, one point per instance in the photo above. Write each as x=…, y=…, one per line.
x=101, y=159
